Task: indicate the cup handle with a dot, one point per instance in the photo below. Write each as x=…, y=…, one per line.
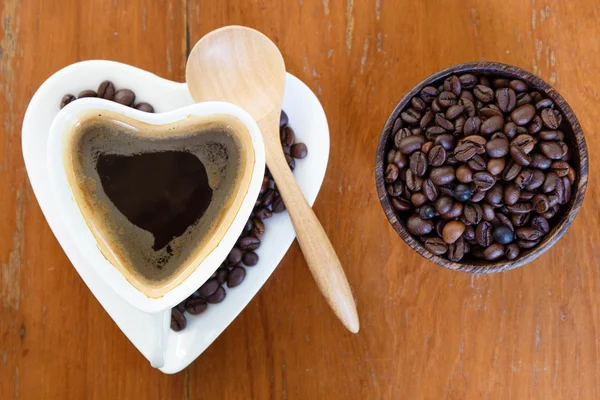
x=160, y=330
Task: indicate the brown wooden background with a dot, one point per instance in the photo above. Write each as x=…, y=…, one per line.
x=426, y=332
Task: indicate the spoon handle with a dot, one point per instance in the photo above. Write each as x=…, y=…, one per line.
x=317, y=249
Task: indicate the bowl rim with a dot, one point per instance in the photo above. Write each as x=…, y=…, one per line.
x=498, y=69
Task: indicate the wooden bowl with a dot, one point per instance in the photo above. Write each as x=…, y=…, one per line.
x=574, y=140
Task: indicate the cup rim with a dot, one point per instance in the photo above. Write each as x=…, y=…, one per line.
x=580, y=150
x=79, y=231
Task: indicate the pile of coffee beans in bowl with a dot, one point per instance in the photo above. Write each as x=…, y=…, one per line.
x=477, y=167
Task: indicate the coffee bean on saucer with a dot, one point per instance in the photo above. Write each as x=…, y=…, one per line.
x=235, y=256
x=145, y=107
x=208, y=288
x=250, y=259
x=258, y=228
x=278, y=205
x=236, y=276
x=178, y=321
x=263, y=213
x=283, y=120
x=221, y=275
x=125, y=97
x=298, y=150
x=194, y=306
x=288, y=137
x=87, y=93
x=106, y=90
x=217, y=297
x=67, y=98
x=249, y=243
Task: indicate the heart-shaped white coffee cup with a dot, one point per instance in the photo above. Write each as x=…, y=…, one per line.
x=82, y=236
x=309, y=122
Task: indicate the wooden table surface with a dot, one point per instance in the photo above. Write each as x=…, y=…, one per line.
x=425, y=332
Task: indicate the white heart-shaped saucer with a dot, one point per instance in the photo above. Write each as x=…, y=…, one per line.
x=308, y=120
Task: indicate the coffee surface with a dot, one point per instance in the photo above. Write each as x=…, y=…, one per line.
x=164, y=193
x=154, y=197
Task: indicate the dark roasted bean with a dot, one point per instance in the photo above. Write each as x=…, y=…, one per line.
x=436, y=245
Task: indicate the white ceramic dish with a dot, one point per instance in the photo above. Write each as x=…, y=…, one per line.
x=308, y=121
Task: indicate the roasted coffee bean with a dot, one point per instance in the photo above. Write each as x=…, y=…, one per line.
x=488, y=212
x=399, y=159
x=454, y=111
x=552, y=150
x=418, y=163
x=492, y=124
x=430, y=190
x=278, y=205
x=235, y=256
x=519, y=156
x=520, y=219
x=414, y=183
x=511, y=194
x=395, y=189
x=517, y=85
x=483, y=93
x=401, y=204
x=411, y=116
x=468, y=81
x=456, y=251
x=503, y=220
x=299, y=150
x=391, y=173
x=427, y=119
x=467, y=103
x=437, y=156
x=178, y=321
x=477, y=163
x=511, y=170
x=523, y=98
x=258, y=229
x=443, y=204
x=500, y=83
x=541, y=224
x=495, y=166
x=465, y=151
x=511, y=251
x=537, y=180
x=236, y=276
x=523, y=114
x=540, y=161
x=528, y=233
x=418, y=226
x=411, y=143
x=497, y=148
x=520, y=208
x=524, y=178
x=194, y=306
x=249, y=243
x=418, y=199
x=493, y=252
x=221, y=275
x=87, y=93
x=426, y=148
x=263, y=213
x=452, y=231
x=541, y=203
x=442, y=175
x=464, y=174
x=472, y=126
x=544, y=103
x=494, y=195
x=145, y=107
x=288, y=137
x=483, y=180
x=418, y=103
x=290, y=160
x=447, y=99
x=427, y=212
x=66, y=99
x=436, y=245
x=218, y=296
x=283, y=119
x=106, y=90
x=510, y=130
x=453, y=85
x=125, y=97
x=526, y=195
x=524, y=142
x=527, y=244
x=463, y=192
x=535, y=125
x=250, y=258
x=429, y=93
x=551, y=212
x=454, y=212
x=483, y=233
x=549, y=118
x=208, y=288
x=441, y=120
x=269, y=195
x=473, y=213
x=560, y=167
x=489, y=111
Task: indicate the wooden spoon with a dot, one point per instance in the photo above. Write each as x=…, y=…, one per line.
x=244, y=67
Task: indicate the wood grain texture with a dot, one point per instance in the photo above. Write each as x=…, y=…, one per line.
x=426, y=332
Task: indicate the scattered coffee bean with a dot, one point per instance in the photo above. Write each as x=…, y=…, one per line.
x=250, y=259
x=66, y=99
x=87, y=93
x=195, y=306
x=236, y=276
x=178, y=321
x=217, y=297
x=106, y=90
x=145, y=107
x=125, y=97
x=299, y=150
